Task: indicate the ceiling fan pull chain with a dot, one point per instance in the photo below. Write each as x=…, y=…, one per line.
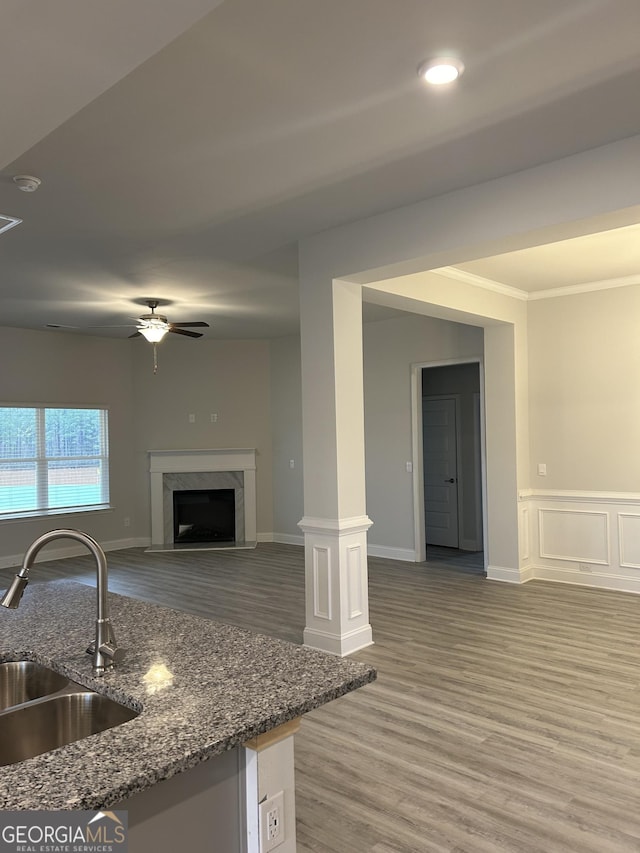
x=155, y=358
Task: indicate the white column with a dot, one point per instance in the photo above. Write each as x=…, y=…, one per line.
x=335, y=523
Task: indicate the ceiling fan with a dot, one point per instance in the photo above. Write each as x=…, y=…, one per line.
x=154, y=327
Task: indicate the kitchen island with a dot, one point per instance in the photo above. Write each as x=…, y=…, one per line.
x=218, y=706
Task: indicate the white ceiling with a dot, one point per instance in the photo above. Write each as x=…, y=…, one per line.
x=184, y=148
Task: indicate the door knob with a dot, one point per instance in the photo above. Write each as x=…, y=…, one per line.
x=452, y=480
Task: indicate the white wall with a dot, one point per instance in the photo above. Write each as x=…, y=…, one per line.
x=581, y=522
x=584, y=383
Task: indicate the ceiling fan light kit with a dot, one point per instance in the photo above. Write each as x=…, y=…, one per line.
x=154, y=334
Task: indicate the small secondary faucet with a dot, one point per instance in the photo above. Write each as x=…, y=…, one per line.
x=104, y=650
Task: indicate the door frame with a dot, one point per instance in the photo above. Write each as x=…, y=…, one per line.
x=419, y=535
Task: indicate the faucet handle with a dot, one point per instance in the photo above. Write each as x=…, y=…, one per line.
x=114, y=653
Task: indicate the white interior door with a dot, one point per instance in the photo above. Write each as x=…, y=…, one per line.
x=440, y=472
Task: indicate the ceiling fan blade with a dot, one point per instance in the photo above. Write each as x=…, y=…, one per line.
x=135, y=335
x=185, y=332
x=184, y=325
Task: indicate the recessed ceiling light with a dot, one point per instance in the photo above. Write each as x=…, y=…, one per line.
x=440, y=70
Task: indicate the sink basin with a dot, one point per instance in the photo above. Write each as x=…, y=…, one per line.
x=39, y=727
x=23, y=680
x=41, y=710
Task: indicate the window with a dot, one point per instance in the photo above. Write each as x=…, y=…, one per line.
x=52, y=459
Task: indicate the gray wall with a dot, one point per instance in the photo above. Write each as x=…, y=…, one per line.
x=51, y=367
x=584, y=363
x=286, y=424
x=231, y=378
x=390, y=348
x=201, y=377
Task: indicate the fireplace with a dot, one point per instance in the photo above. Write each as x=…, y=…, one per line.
x=204, y=515
x=196, y=471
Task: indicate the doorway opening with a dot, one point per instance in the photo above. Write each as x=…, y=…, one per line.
x=448, y=464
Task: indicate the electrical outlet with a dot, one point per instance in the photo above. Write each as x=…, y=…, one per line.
x=272, y=822
x=214, y=417
x=127, y=521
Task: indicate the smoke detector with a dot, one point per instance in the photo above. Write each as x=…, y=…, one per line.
x=27, y=183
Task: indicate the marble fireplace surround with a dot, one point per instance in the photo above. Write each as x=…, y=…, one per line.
x=174, y=470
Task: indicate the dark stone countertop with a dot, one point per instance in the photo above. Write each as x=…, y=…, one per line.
x=228, y=686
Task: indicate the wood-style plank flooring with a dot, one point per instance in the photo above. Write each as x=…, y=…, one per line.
x=504, y=718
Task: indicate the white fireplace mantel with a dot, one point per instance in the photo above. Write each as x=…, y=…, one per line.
x=202, y=461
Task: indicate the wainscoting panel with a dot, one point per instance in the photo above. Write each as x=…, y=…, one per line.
x=355, y=578
x=574, y=534
x=525, y=538
x=321, y=583
x=584, y=538
x=629, y=539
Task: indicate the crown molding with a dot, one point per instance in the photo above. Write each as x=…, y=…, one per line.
x=481, y=281
x=587, y=287
x=523, y=295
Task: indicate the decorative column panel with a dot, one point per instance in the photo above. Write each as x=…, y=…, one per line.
x=335, y=523
x=337, y=604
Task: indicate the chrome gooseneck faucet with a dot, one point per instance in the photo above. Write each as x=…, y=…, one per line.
x=104, y=650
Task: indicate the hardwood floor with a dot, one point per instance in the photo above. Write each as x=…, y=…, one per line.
x=504, y=718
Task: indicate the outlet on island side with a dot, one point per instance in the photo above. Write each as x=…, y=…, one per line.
x=272, y=822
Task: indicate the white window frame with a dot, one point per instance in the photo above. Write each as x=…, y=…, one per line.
x=41, y=462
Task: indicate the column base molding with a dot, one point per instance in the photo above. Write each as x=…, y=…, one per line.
x=337, y=603
x=509, y=575
x=344, y=644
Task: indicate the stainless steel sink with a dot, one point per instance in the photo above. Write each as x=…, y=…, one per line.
x=44, y=710
x=23, y=680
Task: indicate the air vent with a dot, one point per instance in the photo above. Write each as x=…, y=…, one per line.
x=7, y=222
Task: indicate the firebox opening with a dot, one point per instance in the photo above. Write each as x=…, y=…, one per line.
x=204, y=515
